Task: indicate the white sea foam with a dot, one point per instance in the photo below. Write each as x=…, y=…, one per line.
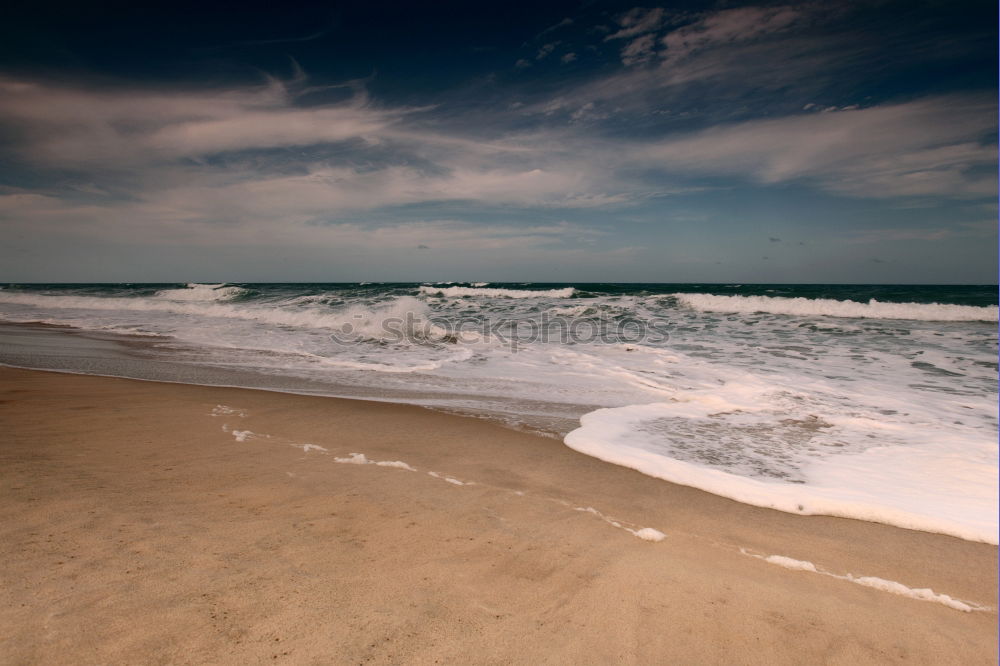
x=789, y=563
x=891, y=586
x=202, y=292
x=923, y=594
x=398, y=464
x=225, y=410
x=737, y=443
x=388, y=319
x=644, y=533
x=308, y=299
x=361, y=459
x=811, y=307
x=459, y=354
x=459, y=292
x=243, y=435
x=306, y=448
x=450, y=479
x=649, y=534
x=353, y=459
x=570, y=310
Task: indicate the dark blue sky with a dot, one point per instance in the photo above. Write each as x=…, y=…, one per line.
x=801, y=142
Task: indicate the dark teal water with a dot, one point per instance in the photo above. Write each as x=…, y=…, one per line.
x=976, y=295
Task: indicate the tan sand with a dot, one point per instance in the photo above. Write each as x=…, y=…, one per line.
x=135, y=529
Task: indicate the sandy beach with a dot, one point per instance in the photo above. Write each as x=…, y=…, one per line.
x=161, y=523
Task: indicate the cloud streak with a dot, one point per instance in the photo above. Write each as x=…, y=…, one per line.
x=932, y=147
x=733, y=26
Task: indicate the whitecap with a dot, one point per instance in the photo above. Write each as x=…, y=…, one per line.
x=826, y=307
x=460, y=292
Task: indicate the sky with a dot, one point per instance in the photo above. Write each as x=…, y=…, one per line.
x=806, y=142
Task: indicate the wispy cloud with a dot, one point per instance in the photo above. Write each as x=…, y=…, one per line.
x=545, y=50
x=566, y=22
x=734, y=26
x=179, y=218
x=637, y=21
x=68, y=125
x=638, y=51
x=723, y=63
x=984, y=229
x=932, y=147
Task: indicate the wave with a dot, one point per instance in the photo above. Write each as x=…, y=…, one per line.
x=195, y=291
x=459, y=292
x=827, y=307
x=325, y=298
x=387, y=320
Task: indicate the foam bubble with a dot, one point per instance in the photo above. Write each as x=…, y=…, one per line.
x=649, y=534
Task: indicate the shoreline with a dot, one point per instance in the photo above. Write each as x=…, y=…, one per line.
x=111, y=348
x=124, y=498
x=913, y=523
x=794, y=414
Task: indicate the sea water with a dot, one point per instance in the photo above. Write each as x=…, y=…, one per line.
x=871, y=402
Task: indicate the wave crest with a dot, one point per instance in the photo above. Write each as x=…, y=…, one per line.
x=390, y=319
x=459, y=292
x=826, y=307
x=195, y=291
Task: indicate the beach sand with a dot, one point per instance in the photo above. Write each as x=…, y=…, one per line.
x=137, y=528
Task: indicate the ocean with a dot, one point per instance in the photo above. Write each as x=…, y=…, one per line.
x=874, y=402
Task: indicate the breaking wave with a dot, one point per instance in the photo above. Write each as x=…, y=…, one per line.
x=825, y=307
x=194, y=291
x=364, y=321
x=459, y=292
